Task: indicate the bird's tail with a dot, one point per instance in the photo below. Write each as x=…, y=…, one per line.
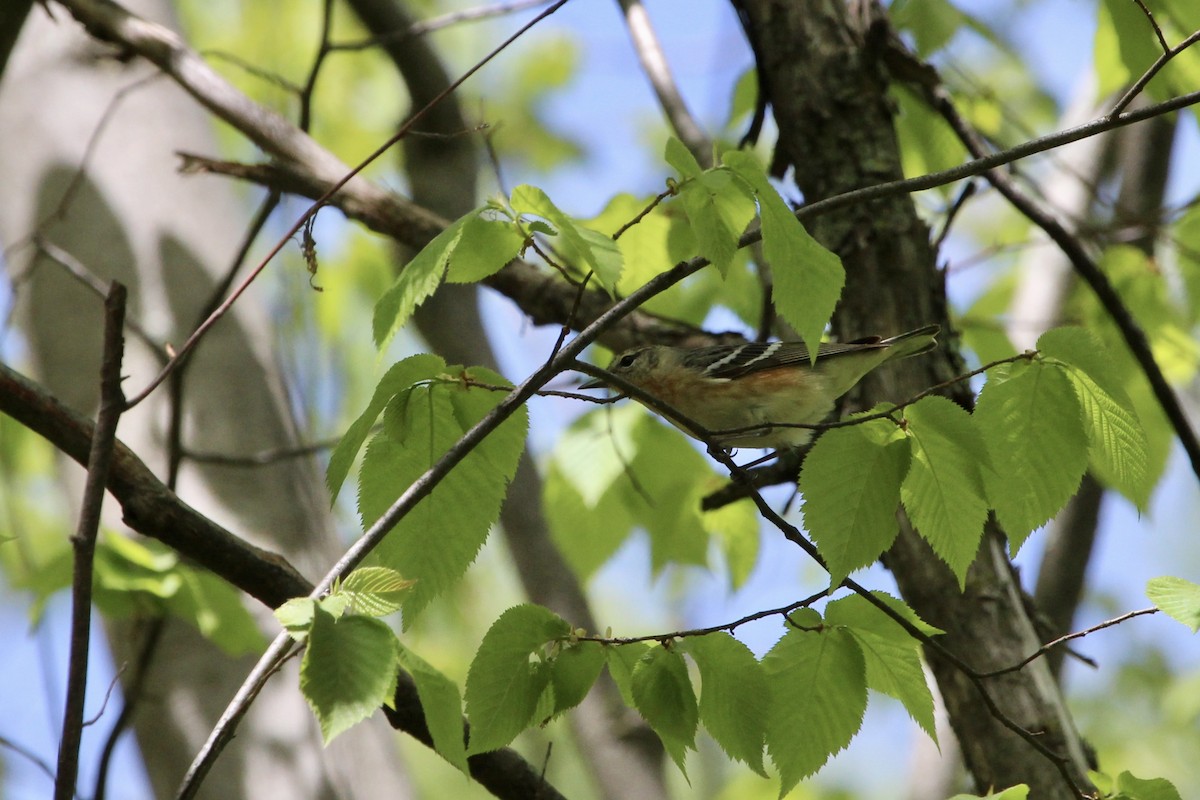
x=913, y=343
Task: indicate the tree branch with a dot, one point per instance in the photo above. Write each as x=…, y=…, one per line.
x=151, y=509
x=100, y=455
x=658, y=72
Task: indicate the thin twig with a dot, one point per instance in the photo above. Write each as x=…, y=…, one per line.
x=658, y=198
x=166, y=50
x=80, y=272
x=112, y=403
x=1061, y=762
x=437, y=23
x=983, y=164
x=724, y=626
x=1162, y=40
x=29, y=754
x=265, y=457
x=420, y=489
x=133, y=695
x=1088, y=269
x=112, y=684
x=310, y=84
x=1048, y=646
x=1159, y=63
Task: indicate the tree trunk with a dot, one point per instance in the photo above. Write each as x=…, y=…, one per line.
x=821, y=69
x=130, y=216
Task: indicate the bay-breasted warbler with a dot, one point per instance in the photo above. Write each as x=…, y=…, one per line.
x=743, y=394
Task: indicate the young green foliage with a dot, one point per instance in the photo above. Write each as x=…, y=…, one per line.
x=618, y=469
x=470, y=249
x=891, y=655
x=508, y=675
x=808, y=278
x=851, y=485
x=348, y=669
x=718, y=205
x=734, y=697
x=662, y=692
x=943, y=491
x=1033, y=428
x=594, y=250
x=818, y=685
x=374, y=591
x=1019, y=792
x=1177, y=598
x=621, y=662
x=426, y=408
x=135, y=578
x=1117, y=443
x=573, y=670
x=442, y=705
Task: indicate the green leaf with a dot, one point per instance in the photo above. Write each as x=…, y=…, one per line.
x=808, y=278
x=594, y=453
x=1033, y=428
x=734, y=697
x=649, y=247
x=296, y=616
x=1131, y=788
x=348, y=670
x=375, y=591
x=216, y=610
x=681, y=159
x=943, y=491
x=621, y=660
x=932, y=23
x=851, y=485
x=442, y=705
x=574, y=671
x=503, y=683
x=927, y=142
x=818, y=688
x=1117, y=443
x=669, y=478
x=417, y=281
x=483, y=249
x=1177, y=598
x=892, y=656
x=719, y=207
x=587, y=535
x=598, y=252
x=144, y=577
x=662, y=692
x=1018, y=792
x=439, y=538
x=736, y=527
x=400, y=378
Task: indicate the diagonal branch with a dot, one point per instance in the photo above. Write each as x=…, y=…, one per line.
x=150, y=508
x=1087, y=268
x=658, y=72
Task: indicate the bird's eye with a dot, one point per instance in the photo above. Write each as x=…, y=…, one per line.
x=628, y=359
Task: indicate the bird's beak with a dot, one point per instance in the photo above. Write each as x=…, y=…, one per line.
x=594, y=383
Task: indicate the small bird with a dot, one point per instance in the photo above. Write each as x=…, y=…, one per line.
x=741, y=394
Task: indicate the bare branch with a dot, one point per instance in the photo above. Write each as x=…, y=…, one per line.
x=438, y=23
x=1048, y=646
x=658, y=71
x=152, y=509
x=1159, y=63
x=112, y=403
x=1087, y=268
